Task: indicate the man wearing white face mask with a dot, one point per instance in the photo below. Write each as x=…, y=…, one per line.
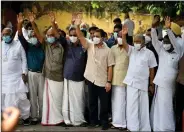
x=141, y=70
x=112, y=41
x=35, y=59
x=98, y=72
x=118, y=87
x=169, y=51
x=75, y=57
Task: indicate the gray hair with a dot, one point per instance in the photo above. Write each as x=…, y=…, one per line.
x=7, y=28
x=140, y=36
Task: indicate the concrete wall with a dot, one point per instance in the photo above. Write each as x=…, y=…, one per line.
x=64, y=19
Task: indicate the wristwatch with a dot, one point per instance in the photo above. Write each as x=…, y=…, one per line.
x=109, y=82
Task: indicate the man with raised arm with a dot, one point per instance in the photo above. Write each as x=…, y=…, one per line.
x=141, y=66
x=169, y=52
x=35, y=59
x=53, y=73
x=98, y=73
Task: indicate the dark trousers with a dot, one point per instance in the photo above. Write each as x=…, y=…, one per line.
x=95, y=92
x=179, y=106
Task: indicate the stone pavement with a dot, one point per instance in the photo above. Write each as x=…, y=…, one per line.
x=39, y=128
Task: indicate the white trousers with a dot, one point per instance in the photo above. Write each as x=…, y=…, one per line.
x=18, y=100
x=162, y=113
x=52, y=103
x=36, y=86
x=73, y=102
x=118, y=106
x=137, y=110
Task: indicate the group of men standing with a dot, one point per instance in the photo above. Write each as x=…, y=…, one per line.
x=57, y=70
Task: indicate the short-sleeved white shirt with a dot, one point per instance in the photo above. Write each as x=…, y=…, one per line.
x=139, y=64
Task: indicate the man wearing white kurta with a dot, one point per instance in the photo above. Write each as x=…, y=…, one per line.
x=118, y=88
x=169, y=51
x=141, y=63
x=14, y=69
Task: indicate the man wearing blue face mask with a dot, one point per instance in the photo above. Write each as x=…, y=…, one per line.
x=14, y=71
x=53, y=73
x=169, y=53
x=112, y=40
x=35, y=59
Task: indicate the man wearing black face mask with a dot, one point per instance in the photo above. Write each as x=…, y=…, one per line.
x=169, y=53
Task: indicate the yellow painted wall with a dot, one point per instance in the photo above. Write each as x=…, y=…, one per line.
x=64, y=19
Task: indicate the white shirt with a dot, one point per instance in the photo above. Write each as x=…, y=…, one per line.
x=24, y=32
x=140, y=63
x=130, y=24
x=168, y=62
x=14, y=64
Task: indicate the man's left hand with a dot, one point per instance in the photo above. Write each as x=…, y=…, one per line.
x=108, y=87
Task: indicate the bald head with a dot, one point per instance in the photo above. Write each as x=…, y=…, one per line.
x=139, y=38
x=50, y=33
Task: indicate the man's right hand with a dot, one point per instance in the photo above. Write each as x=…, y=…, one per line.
x=20, y=18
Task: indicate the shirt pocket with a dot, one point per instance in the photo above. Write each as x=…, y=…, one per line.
x=15, y=55
x=173, y=61
x=58, y=57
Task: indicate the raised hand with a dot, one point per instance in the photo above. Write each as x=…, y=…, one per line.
x=124, y=30
x=167, y=22
x=52, y=17
x=20, y=18
x=31, y=16
x=77, y=19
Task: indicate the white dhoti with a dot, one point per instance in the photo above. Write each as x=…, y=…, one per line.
x=118, y=106
x=73, y=102
x=14, y=94
x=137, y=110
x=18, y=100
x=162, y=113
x=36, y=86
x=52, y=103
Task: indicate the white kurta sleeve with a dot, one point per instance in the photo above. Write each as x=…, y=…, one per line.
x=152, y=60
x=24, y=61
x=156, y=43
x=174, y=41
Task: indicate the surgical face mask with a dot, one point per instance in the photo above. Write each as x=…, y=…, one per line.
x=73, y=39
x=51, y=40
x=96, y=40
x=7, y=39
x=167, y=46
x=147, y=39
x=120, y=41
x=137, y=46
x=33, y=40
x=115, y=35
